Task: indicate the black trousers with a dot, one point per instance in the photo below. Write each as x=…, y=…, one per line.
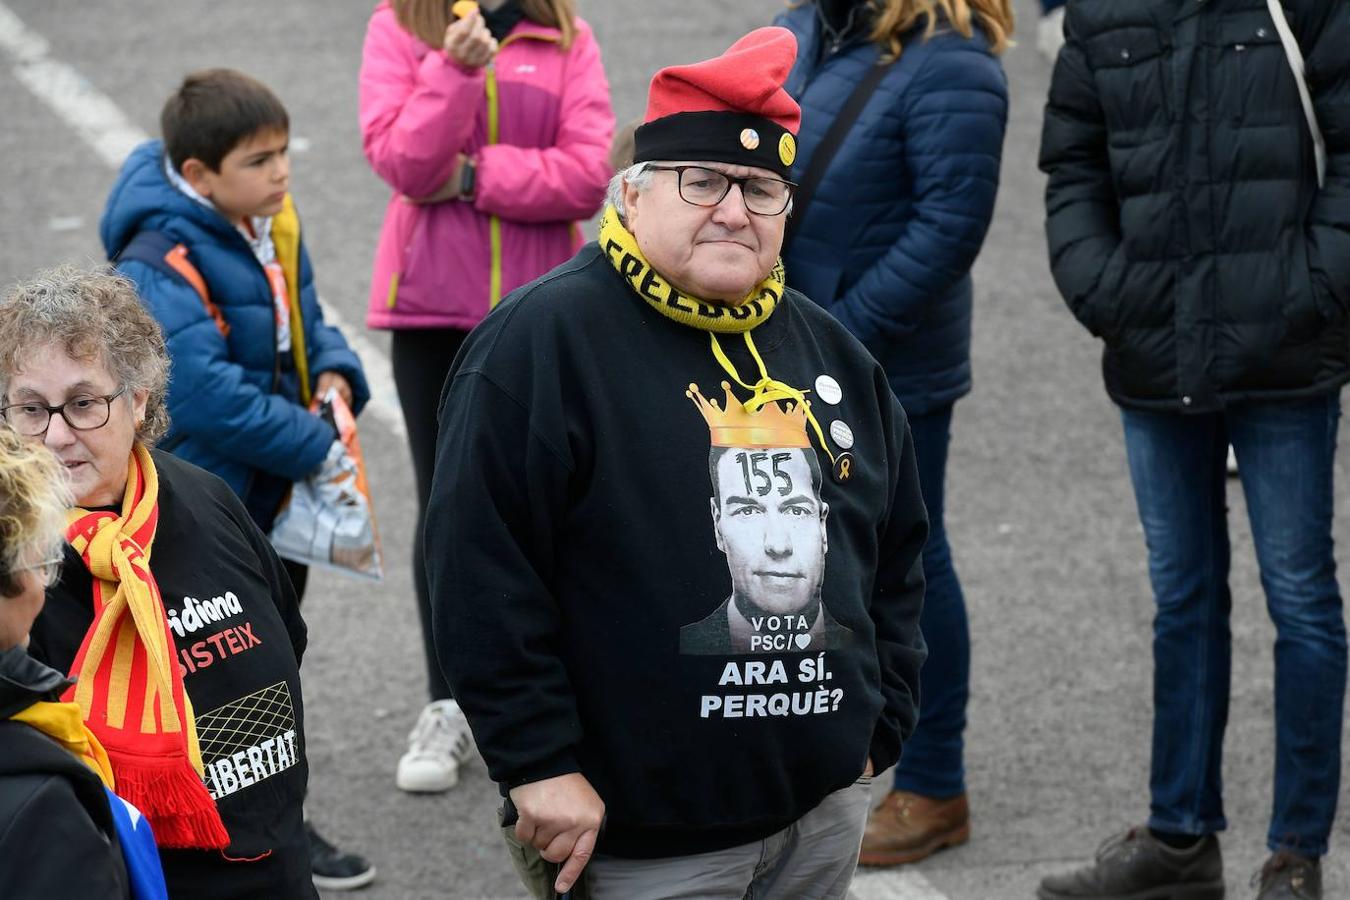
x=421, y=362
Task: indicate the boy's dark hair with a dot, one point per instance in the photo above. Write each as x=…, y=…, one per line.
x=213, y=111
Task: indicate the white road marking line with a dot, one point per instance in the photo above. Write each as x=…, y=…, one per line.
x=106, y=129
x=379, y=374
x=902, y=884
x=90, y=113
x=65, y=223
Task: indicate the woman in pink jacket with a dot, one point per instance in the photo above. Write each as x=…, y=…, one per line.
x=493, y=131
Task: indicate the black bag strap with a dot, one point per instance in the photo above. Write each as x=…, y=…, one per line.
x=829, y=146
x=161, y=252
x=149, y=247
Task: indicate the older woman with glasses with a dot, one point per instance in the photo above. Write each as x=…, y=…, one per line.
x=173, y=615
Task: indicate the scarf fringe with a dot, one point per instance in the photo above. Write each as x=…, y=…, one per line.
x=170, y=795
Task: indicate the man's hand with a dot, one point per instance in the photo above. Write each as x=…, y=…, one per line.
x=469, y=43
x=560, y=817
x=334, y=380
x=868, y=771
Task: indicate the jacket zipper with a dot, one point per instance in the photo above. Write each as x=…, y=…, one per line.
x=493, y=133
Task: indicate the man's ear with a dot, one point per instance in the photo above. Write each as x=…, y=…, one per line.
x=717, y=524
x=195, y=172
x=630, y=198
x=824, y=533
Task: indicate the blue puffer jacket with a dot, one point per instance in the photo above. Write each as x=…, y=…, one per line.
x=234, y=402
x=888, y=242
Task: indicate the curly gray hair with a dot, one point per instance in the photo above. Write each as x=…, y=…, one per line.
x=93, y=314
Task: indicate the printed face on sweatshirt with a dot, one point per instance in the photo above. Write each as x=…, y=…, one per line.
x=770, y=522
x=253, y=177
x=715, y=252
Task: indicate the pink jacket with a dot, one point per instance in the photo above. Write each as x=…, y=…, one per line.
x=538, y=123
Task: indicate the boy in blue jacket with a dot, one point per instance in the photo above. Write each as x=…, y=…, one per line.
x=203, y=223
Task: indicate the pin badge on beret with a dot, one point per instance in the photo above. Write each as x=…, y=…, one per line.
x=729, y=109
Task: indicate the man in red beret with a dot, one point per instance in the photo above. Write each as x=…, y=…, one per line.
x=675, y=532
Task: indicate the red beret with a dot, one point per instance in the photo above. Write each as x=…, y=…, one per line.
x=731, y=108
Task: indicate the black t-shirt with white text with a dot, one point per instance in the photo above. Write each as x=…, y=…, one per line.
x=238, y=640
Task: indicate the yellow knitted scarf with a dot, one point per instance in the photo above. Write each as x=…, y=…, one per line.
x=623, y=253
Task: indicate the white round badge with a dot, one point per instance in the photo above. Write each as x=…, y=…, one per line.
x=828, y=389
x=842, y=434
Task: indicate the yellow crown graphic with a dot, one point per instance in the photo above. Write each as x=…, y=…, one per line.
x=732, y=426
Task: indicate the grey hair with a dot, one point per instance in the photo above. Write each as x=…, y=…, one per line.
x=639, y=175
x=94, y=315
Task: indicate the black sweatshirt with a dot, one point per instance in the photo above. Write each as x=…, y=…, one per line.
x=57, y=837
x=584, y=611
x=239, y=639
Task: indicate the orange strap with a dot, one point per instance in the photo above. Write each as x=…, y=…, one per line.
x=177, y=259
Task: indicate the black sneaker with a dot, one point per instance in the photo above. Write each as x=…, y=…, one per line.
x=333, y=869
x=1137, y=866
x=1288, y=876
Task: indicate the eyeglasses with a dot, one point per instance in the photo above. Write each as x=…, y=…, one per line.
x=708, y=187
x=47, y=570
x=80, y=413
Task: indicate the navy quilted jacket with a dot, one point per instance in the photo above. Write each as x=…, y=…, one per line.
x=1183, y=217
x=888, y=242
x=234, y=402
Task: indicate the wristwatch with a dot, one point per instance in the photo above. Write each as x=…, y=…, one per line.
x=468, y=177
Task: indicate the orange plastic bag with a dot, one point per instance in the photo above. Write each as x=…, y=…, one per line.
x=328, y=520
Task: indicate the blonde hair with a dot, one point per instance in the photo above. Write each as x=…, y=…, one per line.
x=893, y=18
x=427, y=20
x=34, y=498
x=92, y=314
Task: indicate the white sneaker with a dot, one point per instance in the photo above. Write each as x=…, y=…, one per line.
x=438, y=743
x=1050, y=34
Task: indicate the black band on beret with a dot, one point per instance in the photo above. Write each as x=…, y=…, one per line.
x=722, y=136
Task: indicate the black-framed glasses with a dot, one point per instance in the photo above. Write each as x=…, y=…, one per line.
x=81, y=414
x=707, y=187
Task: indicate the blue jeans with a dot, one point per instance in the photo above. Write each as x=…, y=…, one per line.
x=1051, y=5
x=1286, y=453
x=932, y=764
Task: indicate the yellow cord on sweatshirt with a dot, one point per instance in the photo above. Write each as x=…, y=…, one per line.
x=623, y=253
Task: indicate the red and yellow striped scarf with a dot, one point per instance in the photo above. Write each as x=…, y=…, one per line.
x=130, y=688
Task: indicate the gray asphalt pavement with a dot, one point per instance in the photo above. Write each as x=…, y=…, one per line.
x=1040, y=512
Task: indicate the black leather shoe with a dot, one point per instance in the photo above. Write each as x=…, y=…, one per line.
x=1288, y=876
x=1136, y=866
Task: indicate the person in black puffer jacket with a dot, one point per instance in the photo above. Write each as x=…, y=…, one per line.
x=1187, y=230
